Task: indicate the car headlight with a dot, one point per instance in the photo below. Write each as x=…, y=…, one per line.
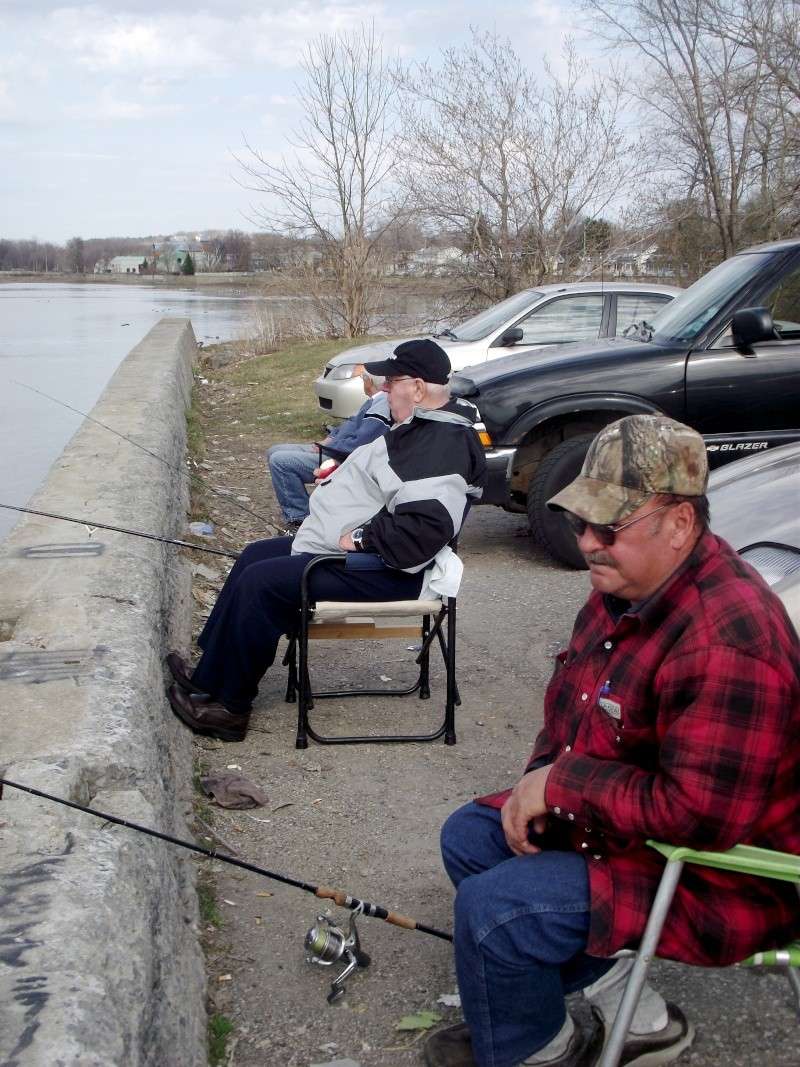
x=345, y=370
x=773, y=562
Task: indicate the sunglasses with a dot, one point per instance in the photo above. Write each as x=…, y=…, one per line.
x=606, y=533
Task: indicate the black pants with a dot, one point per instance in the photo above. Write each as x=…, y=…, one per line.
x=260, y=602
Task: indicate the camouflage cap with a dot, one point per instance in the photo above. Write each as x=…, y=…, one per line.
x=632, y=460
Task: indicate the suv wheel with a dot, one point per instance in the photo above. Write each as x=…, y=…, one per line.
x=558, y=468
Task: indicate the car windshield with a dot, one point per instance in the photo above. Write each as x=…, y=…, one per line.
x=684, y=318
x=486, y=322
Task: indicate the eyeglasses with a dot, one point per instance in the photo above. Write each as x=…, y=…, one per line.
x=389, y=382
x=606, y=533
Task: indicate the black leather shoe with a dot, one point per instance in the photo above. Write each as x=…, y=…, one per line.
x=650, y=1050
x=452, y=1047
x=207, y=716
x=181, y=672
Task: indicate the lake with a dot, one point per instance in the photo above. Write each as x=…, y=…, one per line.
x=68, y=339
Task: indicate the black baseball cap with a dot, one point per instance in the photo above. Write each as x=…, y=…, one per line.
x=421, y=358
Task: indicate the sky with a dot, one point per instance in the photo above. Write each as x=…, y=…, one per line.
x=122, y=118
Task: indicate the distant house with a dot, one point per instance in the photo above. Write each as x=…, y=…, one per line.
x=125, y=265
x=648, y=261
x=434, y=260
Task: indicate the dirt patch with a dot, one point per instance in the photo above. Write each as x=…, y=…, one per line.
x=366, y=818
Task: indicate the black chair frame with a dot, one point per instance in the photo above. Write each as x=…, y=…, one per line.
x=299, y=688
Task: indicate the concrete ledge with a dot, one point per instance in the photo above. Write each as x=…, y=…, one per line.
x=99, y=960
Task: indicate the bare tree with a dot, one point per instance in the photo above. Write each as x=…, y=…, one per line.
x=75, y=255
x=509, y=162
x=337, y=188
x=707, y=95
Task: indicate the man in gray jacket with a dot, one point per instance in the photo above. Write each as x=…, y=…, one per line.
x=400, y=498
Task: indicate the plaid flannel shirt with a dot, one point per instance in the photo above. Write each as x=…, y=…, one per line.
x=681, y=723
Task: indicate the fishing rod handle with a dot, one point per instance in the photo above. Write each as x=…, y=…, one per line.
x=375, y=911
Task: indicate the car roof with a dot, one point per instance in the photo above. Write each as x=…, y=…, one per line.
x=773, y=246
x=602, y=286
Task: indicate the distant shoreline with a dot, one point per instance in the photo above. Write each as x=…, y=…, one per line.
x=261, y=281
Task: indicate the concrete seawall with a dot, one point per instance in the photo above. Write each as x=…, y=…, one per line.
x=99, y=959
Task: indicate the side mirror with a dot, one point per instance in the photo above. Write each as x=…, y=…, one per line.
x=511, y=337
x=751, y=325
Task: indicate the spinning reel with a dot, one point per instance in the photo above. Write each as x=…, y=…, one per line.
x=326, y=944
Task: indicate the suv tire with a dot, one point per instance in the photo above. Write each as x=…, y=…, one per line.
x=558, y=468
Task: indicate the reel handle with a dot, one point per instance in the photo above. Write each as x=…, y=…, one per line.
x=373, y=910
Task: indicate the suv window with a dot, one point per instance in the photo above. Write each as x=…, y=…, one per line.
x=568, y=318
x=633, y=307
x=684, y=318
x=784, y=304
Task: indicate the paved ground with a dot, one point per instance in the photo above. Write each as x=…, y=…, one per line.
x=365, y=819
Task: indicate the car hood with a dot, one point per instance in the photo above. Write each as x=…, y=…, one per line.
x=755, y=500
x=381, y=349
x=482, y=374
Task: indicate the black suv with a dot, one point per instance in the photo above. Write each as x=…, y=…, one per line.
x=723, y=357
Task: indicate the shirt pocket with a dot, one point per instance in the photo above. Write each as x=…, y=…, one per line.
x=626, y=735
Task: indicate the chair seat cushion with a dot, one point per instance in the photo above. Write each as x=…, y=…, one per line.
x=329, y=610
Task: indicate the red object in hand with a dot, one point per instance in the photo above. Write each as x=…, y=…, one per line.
x=327, y=468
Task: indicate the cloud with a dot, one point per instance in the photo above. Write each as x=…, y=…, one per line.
x=106, y=106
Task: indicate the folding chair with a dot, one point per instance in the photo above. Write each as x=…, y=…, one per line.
x=744, y=859
x=424, y=620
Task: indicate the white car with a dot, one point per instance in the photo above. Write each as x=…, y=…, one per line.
x=535, y=318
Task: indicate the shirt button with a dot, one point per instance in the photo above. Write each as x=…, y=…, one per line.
x=568, y=748
x=608, y=645
x=618, y=739
x=584, y=844
x=597, y=856
x=584, y=696
x=556, y=811
x=587, y=829
x=570, y=816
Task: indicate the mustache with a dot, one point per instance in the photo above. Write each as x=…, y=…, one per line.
x=599, y=558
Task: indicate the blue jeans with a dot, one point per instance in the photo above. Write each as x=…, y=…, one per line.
x=521, y=926
x=292, y=468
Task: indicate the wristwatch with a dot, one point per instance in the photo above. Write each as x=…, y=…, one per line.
x=358, y=538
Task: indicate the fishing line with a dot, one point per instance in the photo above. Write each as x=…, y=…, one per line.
x=338, y=896
x=170, y=466
x=92, y=524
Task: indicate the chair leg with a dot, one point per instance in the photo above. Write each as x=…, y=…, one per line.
x=443, y=646
x=425, y=661
x=794, y=981
x=652, y=934
x=303, y=687
x=452, y=691
x=290, y=661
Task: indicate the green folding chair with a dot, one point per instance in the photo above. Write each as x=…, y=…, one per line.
x=744, y=859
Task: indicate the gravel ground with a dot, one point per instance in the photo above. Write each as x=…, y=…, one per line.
x=365, y=819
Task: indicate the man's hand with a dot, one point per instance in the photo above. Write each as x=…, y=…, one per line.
x=525, y=806
x=346, y=543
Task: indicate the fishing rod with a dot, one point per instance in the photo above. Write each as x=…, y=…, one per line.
x=92, y=524
x=326, y=943
x=170, y=466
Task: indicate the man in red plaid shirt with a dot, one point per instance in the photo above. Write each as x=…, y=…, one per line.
x=674, y=714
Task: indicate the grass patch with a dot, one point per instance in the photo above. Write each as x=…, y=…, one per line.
x=274, y=393
x=220, y=1028
x=209, y=912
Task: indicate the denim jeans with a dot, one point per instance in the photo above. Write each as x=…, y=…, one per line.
x=521, y=926
x=292, y=468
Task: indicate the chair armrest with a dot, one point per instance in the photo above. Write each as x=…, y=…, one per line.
x=742, y=859
x=330, y=557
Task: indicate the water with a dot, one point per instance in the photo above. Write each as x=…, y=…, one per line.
x=68, y=340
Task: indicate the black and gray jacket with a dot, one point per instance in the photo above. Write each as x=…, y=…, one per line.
x=409, y=490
